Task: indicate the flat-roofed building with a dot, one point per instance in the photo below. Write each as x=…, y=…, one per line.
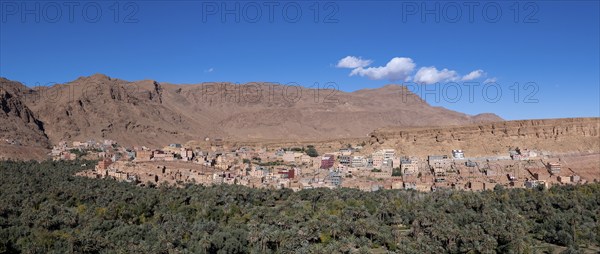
x=458, y=154
x=346, y=151
x=186, y=154
x=387, y=164
x=287, y=173
x=334, y=179
x=389, y=154
x=305, y=159
x=327, y=161
x=377, y=159
x=289, y=157
x=359, y=162
x=439, y=164
x=409, y=166
x=345, y=160
x=553, y=167
x=563, y=179
x=103, y=164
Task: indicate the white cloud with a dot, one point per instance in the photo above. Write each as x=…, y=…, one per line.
x=473, y=75
x=209, y=70
x=431, y=75
x=399, y=68
x=490, y=80
x=352, y=62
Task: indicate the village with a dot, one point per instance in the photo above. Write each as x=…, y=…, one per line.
x=299, y=168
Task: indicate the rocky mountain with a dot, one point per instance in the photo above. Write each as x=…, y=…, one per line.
x=21, y=133
x=99, y=107
x=19, y=123
x=152, y=113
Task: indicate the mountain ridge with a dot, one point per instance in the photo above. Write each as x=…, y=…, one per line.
x=148, y=112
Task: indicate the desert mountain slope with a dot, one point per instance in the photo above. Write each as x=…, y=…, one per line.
x=19, y=124
x=103, y=108
x=566, y=135
x=152, y=113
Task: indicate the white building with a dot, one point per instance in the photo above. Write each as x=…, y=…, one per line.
x=458, y=154
x=359, y=162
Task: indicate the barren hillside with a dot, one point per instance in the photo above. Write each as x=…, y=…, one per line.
x=568, y=135
x=152, y=113
x=19, y=123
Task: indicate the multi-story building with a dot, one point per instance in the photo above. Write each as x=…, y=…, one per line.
x=345, y=160
x=409, y=166
x=359, y=162
x=327, y=161
x=143, y=155
x=377, y=159
x=439, y=164
x=158, y=155
x=388, y=154
x=334, y=179
x=381, y=157
x=169, y=157
x=553, y=167
x=186, y=154
x=103, y=165
x=258, y=172
x=387, y=164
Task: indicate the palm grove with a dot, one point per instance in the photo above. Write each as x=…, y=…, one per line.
x=44, y=208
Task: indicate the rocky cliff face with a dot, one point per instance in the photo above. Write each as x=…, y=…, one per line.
x=99, y=107
x=19, y=123
x=557, y=135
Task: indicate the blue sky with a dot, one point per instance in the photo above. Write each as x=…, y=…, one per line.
x=551, y=48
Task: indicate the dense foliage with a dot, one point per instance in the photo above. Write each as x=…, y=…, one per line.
x=312, y=151
x=45, y=209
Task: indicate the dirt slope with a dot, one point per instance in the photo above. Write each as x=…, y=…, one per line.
x=151, y=113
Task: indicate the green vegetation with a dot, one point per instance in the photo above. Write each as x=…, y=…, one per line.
x=311, y=151
x=44, y=208
x=271, y=163
x=78, y=152
x=397, y=171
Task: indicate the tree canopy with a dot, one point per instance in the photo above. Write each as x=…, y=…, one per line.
x=312, y=151
x=44, y=208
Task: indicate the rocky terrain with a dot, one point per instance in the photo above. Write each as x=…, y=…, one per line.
x=569, y=135
x=21, y=133
x=19, y=125
x=155, y=114
x=152, y=113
